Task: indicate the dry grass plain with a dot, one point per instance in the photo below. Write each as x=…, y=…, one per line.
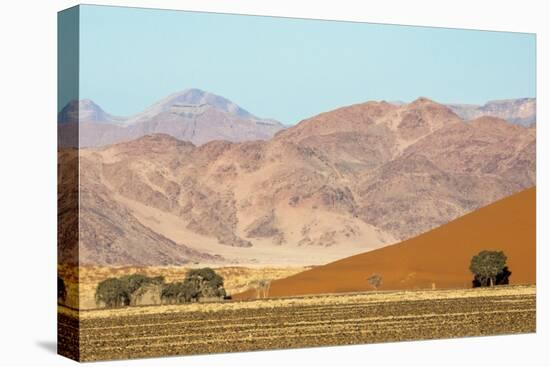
x=322, y=320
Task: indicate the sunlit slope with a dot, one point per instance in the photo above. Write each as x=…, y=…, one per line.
x=439, y=257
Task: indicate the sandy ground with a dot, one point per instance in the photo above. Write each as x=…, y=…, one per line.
x=299, y=322
x=264, y=253
x=316, y=300
x=436, y=259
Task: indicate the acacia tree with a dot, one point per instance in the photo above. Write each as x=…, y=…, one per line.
x=198, y=283
x=113, y=292
x=487, y=265
x=204, y=282
x=503, y=277
x=117, y=292
x=180, y=292
x=375, y=280
x=135, y=281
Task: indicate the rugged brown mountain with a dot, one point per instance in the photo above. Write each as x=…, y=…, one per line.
x=334, y=185
x=448, y=173
x=104, y=231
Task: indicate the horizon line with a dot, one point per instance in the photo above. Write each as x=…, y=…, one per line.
x=390, y=101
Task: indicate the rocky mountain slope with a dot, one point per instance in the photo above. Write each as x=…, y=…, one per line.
x=105, y=232
x=337, y=184
x=191, y=115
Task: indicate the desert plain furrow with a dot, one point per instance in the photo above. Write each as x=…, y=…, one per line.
x=336, y=315
x=306, y=327
x=306, y=322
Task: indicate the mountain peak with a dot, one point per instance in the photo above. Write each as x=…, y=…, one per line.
x=191, y=114
x=84, y=110
x=195, y=96
x=189, y=95
x=424, y=101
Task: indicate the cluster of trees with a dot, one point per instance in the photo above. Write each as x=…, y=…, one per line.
x=117, y=292
x=488, y=267
x=199, y=284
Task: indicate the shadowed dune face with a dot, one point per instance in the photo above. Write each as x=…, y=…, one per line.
x=440, y=257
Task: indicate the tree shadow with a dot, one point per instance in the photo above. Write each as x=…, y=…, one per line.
x=48, y=345
x=502, y=278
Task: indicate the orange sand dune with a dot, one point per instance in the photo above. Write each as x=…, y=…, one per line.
x=440, y=256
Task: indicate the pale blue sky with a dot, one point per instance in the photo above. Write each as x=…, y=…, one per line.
x=291, y=69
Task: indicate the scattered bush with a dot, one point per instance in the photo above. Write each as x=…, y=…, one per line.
x=262, y=287
x=375, y=280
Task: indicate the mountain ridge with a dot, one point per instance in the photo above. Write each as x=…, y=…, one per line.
x=521, y=111
x=337, y=184
x=186, y=116
x=191, y=114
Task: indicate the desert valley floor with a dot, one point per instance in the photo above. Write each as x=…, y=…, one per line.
x=295, y=322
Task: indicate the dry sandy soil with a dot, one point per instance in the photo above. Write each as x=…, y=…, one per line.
x=439, y=258
x=137, y=332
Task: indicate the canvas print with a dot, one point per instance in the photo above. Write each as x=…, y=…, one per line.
x=231, y=183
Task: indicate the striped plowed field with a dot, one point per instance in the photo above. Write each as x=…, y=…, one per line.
x=297, y=322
